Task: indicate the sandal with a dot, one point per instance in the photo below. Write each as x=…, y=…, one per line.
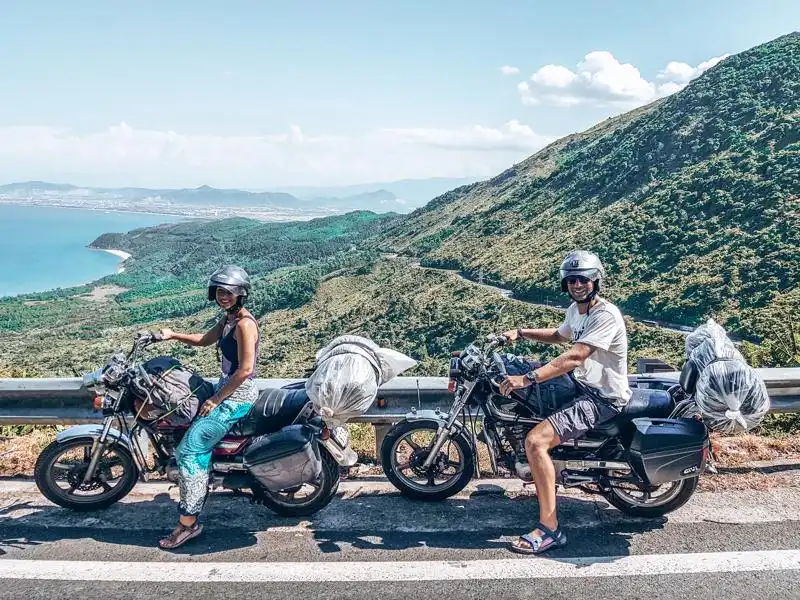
x=180, y=535
x=542, y=543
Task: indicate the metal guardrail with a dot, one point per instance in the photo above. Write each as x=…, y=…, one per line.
x=64, y=401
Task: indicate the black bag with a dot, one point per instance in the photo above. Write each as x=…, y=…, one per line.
x=170, y=390
x=543, y=398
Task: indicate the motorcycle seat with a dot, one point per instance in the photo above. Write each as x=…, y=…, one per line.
x=653, y=403
x=274, y=410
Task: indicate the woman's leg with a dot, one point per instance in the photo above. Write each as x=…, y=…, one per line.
x=193, y=456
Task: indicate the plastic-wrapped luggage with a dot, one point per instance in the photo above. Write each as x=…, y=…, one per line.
x=729, y=394
x=347, y=375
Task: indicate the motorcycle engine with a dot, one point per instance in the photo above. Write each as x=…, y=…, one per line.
x=515, y=436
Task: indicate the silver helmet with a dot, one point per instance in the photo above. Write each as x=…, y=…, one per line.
x=582, y=263
x=231, y=278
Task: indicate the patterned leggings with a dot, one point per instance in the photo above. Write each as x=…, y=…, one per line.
x=193, y=454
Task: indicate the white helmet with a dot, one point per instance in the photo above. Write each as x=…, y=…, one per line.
x=584, y=264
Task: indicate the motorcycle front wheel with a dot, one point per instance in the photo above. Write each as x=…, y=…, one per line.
x=406, y=447
x=60, y=470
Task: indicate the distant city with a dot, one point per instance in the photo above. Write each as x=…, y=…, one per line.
x=207, y=202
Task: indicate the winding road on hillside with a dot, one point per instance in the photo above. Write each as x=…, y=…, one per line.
x=675, y=328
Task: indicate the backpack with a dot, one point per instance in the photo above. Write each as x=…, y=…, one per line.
x=170, y=390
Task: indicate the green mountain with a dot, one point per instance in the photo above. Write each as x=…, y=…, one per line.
x=193, y=249
x=693, y=203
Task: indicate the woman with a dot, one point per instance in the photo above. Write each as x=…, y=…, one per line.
x=237, y=339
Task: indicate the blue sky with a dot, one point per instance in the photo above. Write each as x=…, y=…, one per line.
x=265, y=94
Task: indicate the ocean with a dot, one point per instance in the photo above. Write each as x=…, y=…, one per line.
x=43, y=248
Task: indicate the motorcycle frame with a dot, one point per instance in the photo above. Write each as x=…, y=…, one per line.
x=449, y=426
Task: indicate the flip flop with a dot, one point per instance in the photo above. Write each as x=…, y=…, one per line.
x=537, y=545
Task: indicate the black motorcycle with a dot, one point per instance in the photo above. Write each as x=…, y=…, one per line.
x=646, y=462
x=282, y=454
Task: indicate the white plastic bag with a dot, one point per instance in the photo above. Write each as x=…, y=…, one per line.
x=348, y=373
x=729, y=395
x=710, y=330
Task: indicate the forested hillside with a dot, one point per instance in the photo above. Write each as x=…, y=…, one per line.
x=693, y=202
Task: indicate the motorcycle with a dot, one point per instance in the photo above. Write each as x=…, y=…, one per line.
x=646, y=461
x=282, y=451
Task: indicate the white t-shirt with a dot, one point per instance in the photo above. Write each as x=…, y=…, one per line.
x=606, y=369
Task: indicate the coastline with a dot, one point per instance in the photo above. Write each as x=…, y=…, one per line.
x=121, y=254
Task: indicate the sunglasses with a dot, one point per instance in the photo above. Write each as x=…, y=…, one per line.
x=573, y=279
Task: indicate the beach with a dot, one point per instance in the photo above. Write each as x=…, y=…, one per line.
x=120, y=253
x=54, y=243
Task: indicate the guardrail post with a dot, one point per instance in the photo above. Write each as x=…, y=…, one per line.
x=381, y=429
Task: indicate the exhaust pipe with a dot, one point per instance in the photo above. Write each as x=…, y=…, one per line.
x=582, y=465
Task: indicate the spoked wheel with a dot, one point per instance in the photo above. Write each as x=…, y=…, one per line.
x=61, y=467
x=306, y=499
x=638, y=502
x=406, y=448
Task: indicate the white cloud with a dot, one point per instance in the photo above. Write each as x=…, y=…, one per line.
x=680, y=72
x=601, y=80
x=123, y=155
x=511, y=136
x=509, y=70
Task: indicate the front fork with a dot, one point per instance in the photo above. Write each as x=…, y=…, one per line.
x=446, y=429
x=98, y=447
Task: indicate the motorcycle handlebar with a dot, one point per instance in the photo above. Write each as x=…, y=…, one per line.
x=496, y=341
x=498, y=362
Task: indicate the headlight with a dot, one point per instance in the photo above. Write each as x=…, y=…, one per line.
x=93, y=379
x=341, y=435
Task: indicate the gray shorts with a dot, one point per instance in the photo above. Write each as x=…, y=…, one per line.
x=579, y=416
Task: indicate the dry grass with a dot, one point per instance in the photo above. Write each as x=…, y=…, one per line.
x=103, y=293
x=743, y=449
x=18, y=453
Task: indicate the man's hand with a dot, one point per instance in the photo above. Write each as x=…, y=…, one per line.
x=208, y=406
x=511, y=334
x=514, y=382
x=166, y=334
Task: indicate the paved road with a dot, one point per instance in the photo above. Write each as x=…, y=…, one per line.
x=372, y=543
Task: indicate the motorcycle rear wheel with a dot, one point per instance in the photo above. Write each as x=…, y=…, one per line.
x=672, y=499
x=286, y=503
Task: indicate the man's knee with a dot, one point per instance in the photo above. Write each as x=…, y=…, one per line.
x=541, y=438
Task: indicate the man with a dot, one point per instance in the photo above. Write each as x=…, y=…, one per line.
x=598, y=360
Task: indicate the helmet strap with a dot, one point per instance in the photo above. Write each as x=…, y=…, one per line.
x=589, y=298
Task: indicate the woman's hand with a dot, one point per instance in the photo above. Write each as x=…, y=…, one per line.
x=208, y=406
x=166, y=334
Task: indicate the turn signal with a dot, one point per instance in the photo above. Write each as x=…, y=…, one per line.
x=451, y=386
x=381, y=402
x=98, y=402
